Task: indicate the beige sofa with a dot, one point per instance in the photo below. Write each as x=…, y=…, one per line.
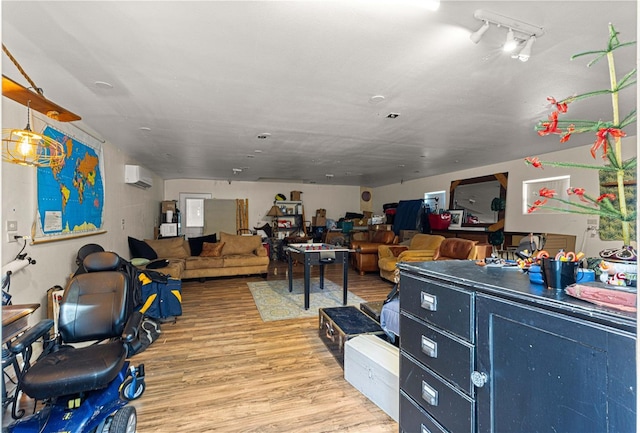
x=232, y=255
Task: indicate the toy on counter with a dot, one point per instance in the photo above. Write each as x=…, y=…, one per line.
x=613, y=276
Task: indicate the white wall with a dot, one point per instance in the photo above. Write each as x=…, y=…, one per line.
x=337, y=200
x=573, y=224
x=55, y=261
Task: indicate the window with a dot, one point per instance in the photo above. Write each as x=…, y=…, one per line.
x=195, y=212
x=531, y=188
x=435, y=200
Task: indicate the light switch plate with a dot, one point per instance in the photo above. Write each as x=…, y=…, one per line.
x=12, y=226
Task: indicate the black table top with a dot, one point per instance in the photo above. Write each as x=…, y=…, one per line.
x=514, y=284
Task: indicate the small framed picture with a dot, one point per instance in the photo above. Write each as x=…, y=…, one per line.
x=456, y=218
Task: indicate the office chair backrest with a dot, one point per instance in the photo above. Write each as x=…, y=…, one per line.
x=94, y=304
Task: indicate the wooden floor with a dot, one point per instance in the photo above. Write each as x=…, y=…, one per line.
x=220, y=368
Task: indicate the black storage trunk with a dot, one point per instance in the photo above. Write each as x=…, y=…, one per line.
x=339, y=324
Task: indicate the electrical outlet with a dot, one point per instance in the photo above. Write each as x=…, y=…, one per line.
x=11, y=237
x=122, y=223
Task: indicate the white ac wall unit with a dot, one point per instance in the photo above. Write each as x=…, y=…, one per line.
x=138, y=176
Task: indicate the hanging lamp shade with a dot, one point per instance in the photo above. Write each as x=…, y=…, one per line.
x=25, y=147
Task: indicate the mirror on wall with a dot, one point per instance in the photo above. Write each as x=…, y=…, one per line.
x=482, y=199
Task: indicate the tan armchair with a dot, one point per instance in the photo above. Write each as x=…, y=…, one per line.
x=365, y=255
x=422, y=248
x=456, y=249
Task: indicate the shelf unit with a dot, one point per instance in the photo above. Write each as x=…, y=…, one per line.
x=292, y=220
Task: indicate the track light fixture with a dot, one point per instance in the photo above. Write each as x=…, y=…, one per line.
x=525, y=53
x=477, y=35
x=518, y=32
x=510, y=44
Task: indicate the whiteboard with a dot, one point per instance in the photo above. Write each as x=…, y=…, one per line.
x=219, y=216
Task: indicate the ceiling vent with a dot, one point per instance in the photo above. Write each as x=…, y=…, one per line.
x=138, y=176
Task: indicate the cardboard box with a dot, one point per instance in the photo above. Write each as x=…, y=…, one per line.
x=406, y=235
x=318, y=221
x=168, y=205
x=296, y=195
x=321, y=212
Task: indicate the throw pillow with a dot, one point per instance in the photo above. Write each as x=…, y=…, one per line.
x=212, y=249
x=237, y=244
x=169, y=248
x=195, y=244
x=157, y=264
x=139, y=261
x=141, y=249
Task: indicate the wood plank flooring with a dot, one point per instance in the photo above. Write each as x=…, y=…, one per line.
x=220, y=368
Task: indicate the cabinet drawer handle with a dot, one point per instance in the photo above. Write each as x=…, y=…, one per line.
x=424, y=429
x=429, y=347
x=428, y=301
x=429, y=394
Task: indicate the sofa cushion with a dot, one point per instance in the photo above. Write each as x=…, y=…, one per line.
x=141, y=250
x=195, y=244
x=382, y=236
x=203, y=262
x=241, y=260
x=237, y=244
x=173, y=269
x=455, y=248
x=212, y=249
x=169, y=248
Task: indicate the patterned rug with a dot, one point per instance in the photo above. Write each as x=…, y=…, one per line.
x=274, y=301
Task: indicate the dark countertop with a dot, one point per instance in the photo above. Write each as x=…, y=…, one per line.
x=514, y=284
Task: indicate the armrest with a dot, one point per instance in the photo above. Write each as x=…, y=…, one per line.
x=130, y=331
x=261, y=251
x=416, y=255
x=31, y=335
x=365, y=247
x=390, y=251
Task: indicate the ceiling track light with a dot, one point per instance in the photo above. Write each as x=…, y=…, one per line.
x=477, y=35
x=518, y=32
x=510, y=43
x=525, y=53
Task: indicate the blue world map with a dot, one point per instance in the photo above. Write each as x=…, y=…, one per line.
x=71, y=196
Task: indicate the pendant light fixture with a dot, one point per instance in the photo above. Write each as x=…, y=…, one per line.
x=25, y=147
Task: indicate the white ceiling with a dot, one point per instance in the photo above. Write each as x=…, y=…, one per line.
x=208, y=77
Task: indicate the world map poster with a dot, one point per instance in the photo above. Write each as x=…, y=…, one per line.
x=71, y=196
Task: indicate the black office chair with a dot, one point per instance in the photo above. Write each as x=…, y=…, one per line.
x=93, y=308
x=83, y=252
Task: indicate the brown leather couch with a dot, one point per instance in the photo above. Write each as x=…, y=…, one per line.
x=365, y=255
x=421, y=248
x=456, y=249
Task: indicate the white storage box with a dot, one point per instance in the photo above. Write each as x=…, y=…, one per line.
x=372, y=365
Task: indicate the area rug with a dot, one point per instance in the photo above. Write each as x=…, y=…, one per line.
x=274, y=301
